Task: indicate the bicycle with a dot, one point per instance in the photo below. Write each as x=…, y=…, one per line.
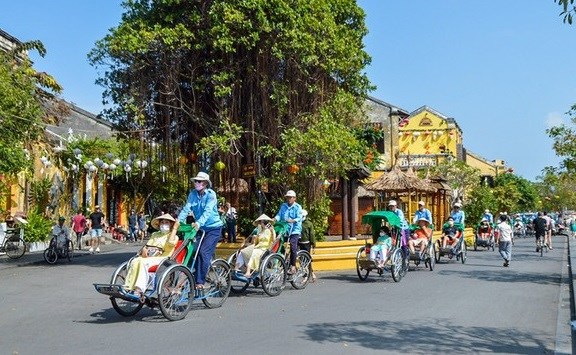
x=540, y=245
x=13, y=244
x=57, y=250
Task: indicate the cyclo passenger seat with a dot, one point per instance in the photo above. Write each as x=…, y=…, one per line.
x=183, y=249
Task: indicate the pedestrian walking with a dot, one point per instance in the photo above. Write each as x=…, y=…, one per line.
x=231, y=217
x=504, y=239
x=141, y=226
x=79, y=227
x=96, y=223
x=132, y=226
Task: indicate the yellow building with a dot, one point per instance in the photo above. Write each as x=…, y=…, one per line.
x=427, y=137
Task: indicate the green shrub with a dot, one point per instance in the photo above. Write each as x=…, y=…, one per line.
x=38, y=228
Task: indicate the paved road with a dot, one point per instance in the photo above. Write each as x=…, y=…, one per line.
x=478, y=307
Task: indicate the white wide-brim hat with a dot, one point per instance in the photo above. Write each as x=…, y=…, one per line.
x=156, y=221
x=263, y=217
x=392, y=203
x=202, y=176
x=290, y=193
x=423, y=219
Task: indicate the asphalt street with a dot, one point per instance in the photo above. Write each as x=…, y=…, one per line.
x=477, y=307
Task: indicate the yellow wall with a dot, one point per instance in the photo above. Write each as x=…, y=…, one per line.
x=427, y=133
x=485, y=167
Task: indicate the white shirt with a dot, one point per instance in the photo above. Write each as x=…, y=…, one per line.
x=504, y=232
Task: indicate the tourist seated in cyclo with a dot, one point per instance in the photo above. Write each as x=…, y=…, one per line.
x=449, y=233
x=484, y=229
x=380, y=250
x=420, y=237
x=262, y=242
x=158, y=248
x=254, y=246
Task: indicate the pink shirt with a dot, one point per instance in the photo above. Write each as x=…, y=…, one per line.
x=79, y=223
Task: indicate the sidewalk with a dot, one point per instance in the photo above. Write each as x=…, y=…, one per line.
x=37, y=257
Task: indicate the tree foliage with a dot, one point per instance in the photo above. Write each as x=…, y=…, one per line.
x=269, y=77
x=568, y=10
x=461, y=177
x=21, y=105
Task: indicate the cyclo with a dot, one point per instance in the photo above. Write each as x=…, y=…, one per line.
x=272, y=273
x=396, y=262
x=426, y=255
x=60, y=247
x=171, y=284
x=484, y=235
x=454, y=248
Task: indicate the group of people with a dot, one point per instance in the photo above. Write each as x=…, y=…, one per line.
x=202, y=204
x=420, y=237
x=81, y=226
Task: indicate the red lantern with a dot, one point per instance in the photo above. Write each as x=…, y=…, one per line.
x=293, y=169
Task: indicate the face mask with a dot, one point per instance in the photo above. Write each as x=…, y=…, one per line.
x=164, y=227
x=451, y=223
x=198, y=186
x=382, y=234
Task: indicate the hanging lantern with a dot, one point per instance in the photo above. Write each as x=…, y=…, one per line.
x=219, y=166
x=193, y=157
x=325, y=184
x=182, y=160
x=293, y=169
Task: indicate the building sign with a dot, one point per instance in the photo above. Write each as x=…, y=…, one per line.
x=248, y=170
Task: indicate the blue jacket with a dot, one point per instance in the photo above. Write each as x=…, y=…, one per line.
x=425, y=213
x=458, y=216
x=291, y=212
x=205, y=209
x=400, y=215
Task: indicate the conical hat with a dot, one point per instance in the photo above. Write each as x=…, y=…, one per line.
x=156, y=221
x=262, y=217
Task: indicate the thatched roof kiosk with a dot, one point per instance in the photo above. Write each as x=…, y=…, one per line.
x=399, y=185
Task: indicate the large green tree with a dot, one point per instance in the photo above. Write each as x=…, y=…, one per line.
x=23, y=105
x=261, y=73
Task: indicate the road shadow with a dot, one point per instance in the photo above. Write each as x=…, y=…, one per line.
x=425, y=336
x=146, y=314
x=508, y=276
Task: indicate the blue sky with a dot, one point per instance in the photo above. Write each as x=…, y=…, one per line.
x=503, y=69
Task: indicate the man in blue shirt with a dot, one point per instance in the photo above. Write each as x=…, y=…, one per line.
x=291, y=212
x=488, y=216
x=422, y=212
x=457, y=213
x=203, y=203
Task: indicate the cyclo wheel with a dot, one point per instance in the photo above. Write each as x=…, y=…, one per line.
x=437, y=248
x=273, y=274
x=14, y=247
x=463, y=251
x=51, y=256
x=70, y=250
x=122, y=306
x=301, y=277
x=176, y=292
x=218, y=280
x=397, y=264
x=361, y=255
x=541, y=244
x=236, y=286
x=431, y=257
x=475, y=242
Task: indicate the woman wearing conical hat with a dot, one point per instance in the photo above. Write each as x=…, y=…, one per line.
x=262, y=242
x=158, y=248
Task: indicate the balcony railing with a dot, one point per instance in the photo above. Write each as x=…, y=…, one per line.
x=422, y=160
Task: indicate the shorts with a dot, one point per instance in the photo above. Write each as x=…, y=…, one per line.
x=95, y=233
x=540, y=234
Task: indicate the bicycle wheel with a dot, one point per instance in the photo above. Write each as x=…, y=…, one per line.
x=70, y=250
x=541, y=246
x=50, y=255
x=360, y=256
x=431, y=257
x=176, y=292
x=397, y=261
x=273, y=274
x=301, y=276
x=463, y=252
x=237, y=285
x=123, y=307
x=15, y=247
x=218, y=280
